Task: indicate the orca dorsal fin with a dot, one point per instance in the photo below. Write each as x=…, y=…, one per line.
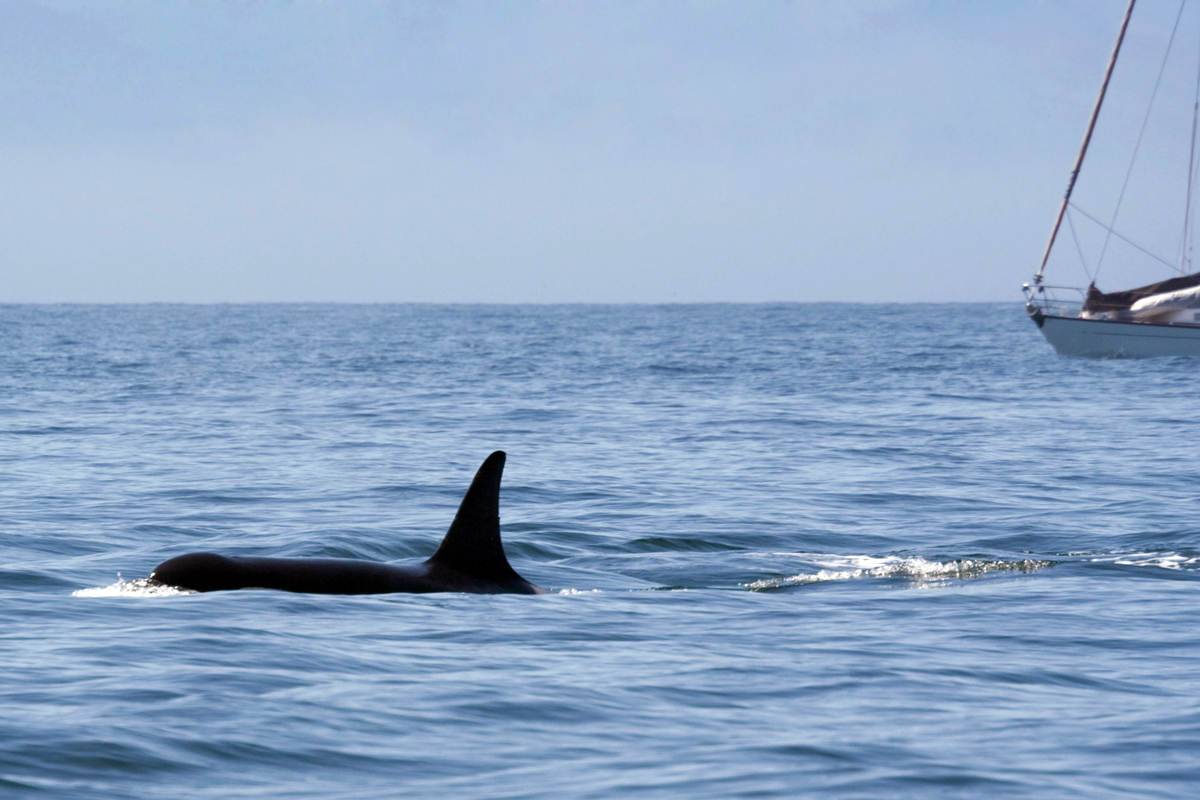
x=472, y=545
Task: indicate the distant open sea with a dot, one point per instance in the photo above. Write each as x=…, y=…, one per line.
x=832, y=551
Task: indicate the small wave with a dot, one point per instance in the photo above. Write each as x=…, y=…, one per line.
x=1177, y=561
x=142, y=587
x=918, y=570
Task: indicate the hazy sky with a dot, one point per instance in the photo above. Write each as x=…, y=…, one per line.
x=283, y=150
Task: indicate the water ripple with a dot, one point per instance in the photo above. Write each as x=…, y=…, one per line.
x=662, y=461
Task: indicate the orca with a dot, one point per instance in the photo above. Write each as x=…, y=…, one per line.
x=469, y=559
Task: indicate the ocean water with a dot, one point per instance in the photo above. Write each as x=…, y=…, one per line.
x=834, y=551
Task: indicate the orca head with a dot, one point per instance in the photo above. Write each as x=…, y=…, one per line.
x=200, y=572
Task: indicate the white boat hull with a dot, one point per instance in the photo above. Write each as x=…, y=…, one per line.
x=1096, y=338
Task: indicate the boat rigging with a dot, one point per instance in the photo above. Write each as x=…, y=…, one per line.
x=1158, y=319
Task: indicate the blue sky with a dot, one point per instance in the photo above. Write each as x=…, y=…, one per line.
x=282, y=150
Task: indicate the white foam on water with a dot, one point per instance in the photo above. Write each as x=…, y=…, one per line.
x=1159, y=560
x=142, y=587
x=918, y=570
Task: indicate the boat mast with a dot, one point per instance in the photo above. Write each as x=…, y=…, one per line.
x=1087, y=138
x=1185, y=257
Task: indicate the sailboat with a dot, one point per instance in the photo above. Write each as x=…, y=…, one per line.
x=1159, y=319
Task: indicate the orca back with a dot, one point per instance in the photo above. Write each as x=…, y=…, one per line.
x=469, y=559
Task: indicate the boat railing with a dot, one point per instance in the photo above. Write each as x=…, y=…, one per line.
x=1059, y=301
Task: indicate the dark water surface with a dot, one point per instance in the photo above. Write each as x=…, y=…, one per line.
x=797, y=550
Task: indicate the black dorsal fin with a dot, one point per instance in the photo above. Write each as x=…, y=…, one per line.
x=472, y=545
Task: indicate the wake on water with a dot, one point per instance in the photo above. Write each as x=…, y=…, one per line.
x=918, y=570
x=142, y=587
x=927, y=572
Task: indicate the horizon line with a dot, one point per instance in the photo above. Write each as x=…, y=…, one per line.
x=502, y=302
